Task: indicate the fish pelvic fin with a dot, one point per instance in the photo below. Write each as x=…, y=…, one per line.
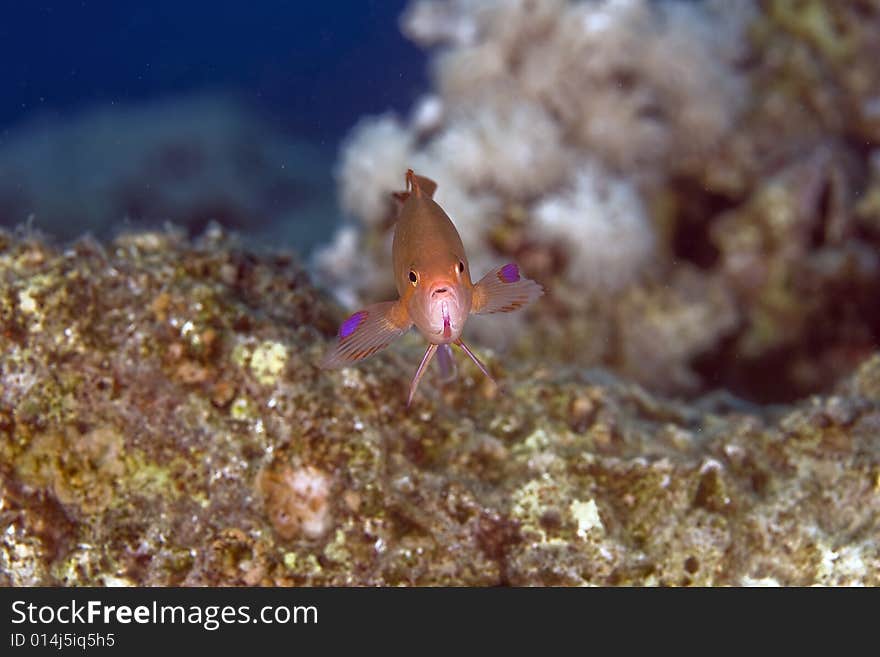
x=479, y=364
x=366, y=332
x=423, y=367
x=504, y=290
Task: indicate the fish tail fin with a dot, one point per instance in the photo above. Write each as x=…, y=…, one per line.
x=503, y=290
x=367, y=332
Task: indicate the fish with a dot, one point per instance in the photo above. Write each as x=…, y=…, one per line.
x=435, y=290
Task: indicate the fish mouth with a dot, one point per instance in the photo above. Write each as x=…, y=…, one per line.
x=444, y=311
x=444, y=324
x=442, y=314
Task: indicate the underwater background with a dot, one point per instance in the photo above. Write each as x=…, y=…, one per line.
x=195, y=196
x=115, y=93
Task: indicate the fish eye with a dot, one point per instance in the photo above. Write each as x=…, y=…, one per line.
x=460, y=267
x=413, y=277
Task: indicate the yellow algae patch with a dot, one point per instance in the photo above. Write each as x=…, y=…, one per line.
x=83, y=471
x=586, y=515
x=268, y=361
x=26, y=303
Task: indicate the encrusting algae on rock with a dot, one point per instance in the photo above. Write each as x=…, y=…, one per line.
x=116, y=468
x=296, y=500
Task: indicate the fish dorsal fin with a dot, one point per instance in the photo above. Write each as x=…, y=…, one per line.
x=418, y=185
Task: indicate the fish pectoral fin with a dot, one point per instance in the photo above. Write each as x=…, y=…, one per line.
x=503, y=290
x=367, y=332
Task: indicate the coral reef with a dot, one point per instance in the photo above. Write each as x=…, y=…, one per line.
x=296, y=501
x=163, y=421
x=696, y=175
x=696, y=399
x=598, y=210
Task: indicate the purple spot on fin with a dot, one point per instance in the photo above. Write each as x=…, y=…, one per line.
x=509, y=273
x=351, y=325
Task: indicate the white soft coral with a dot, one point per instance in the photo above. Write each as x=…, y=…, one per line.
x=516, y=149
x=636, y=82
x=602, y=224
x=374, y=158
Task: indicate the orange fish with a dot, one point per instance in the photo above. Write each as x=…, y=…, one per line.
x=436, y=293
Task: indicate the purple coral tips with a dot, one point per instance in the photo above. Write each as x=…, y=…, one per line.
x=351, y=325
x=509, y=273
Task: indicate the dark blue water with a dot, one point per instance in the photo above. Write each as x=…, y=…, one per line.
x=310, y=69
